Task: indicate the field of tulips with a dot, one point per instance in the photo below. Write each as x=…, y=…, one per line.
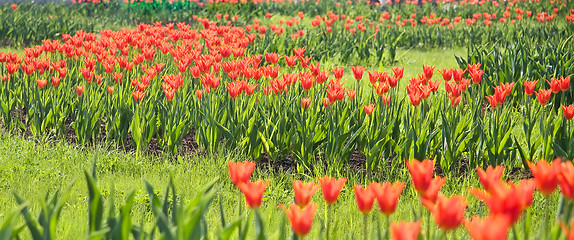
x=311, y=88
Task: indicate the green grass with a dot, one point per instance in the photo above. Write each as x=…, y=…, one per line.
x=33, y=170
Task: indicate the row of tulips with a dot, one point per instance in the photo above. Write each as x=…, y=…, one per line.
x=176, y=218
x=165, y=83
x=371, y=32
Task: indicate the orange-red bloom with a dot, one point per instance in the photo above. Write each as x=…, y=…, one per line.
x=240, y=172
x=566, y=180
x=507, y=200
x=41, y=83
x=543, y=96
x=431, y=193
x=331, y=188
x=448, y=213
x=304, y=192
x=428, y=71
x=358, y=72
x=365, y=198
x=545, y=175
x=387, y=196
x=305, y=102
x=421, y=174
x=489, y=177
x=369, y=108
x=301, y=219
x=568, y=111
x=489, y=228
x=79, y=90
x=405, y=231
x=253, y=192
x=529, y=87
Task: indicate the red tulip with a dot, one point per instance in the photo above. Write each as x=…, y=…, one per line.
x=79, y=90
x=369, y=108
x=301, y=219
x=305, y=102
x=489, y=177
x=405, y=231
x=564, y=83
x=358, y=72
x=398, y=72
x=507, y=200
x=543, y=96
x=529, y=87
x=387, y=196
x=110, y=89
x=489, y=228
x=431, y=193
x=365, y=198
x=304, y=192
x=566, y=180
x=428, y=71
x=13, y=6
x=421, y=174
x=338, y=72
x=253, y=192
x=41, y=83
x=545, y=175
x=331, y=188
x=568, y=232
x=448, y=213
x=138, y=95
x=55, y=81
x=199, y=93
x=240, y=172
x=568, y=112
x=554, y=85
x=446, y=74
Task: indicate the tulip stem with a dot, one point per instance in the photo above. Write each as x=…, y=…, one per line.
x=327, y=218
x=387, y=227
x=365, y=221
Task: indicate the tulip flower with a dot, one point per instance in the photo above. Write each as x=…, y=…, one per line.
x=421, y=174
x=566, y=180
x=545, y=175
x=110, y=89
x=41, y=83
x=240, y=172
x=428, y=71
x=529, y=87
x=13, y=6
x=338, y=72
x=564, y=83
x=387, y=196
x=253, y=192
x=79, y=90
x=301, y=219
x=369, y=108
x=493, y=227
x=305, y=102
x=543, y=96
x=448, y=213
x=304, y=192
x=568, y=112
x=365, y=199
x=331, y=188
x=358, y=72
x=446, y=74
x=554, y=85
x=431, y=193
x=507, y=200
x=398, y=72
x=405, y=231
x=490, y=177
